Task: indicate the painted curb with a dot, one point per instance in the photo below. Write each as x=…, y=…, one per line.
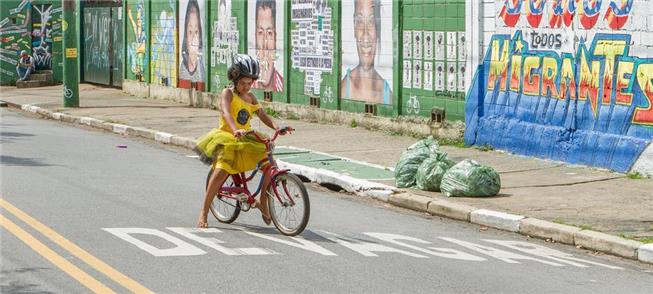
x=496, y=219
x=162, y=137
x=645, y=253
x=607, y=243
x=504, y=221
x=142, y=132
x=349, y=184
x=414, y=202
x=120, y=129
x=450, y=209
x=548, y=230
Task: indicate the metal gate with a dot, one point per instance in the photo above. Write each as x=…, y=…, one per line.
x=102, y=43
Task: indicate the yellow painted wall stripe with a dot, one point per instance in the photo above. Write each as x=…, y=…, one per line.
x=80, y=253
x=72, y=270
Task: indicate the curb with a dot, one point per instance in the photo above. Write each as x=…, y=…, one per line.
x=499, y=220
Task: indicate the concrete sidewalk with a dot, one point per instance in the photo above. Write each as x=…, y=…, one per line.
x=586, y=199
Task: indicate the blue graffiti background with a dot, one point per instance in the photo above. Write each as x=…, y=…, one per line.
x=559, y=129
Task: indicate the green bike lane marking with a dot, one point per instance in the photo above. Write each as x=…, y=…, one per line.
x=333, y=163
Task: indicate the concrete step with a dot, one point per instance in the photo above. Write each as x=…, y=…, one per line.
x=44, y=71
x=41, y=77
x=33, y=84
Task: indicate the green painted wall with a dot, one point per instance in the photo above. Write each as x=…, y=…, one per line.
x=441, y=22
x=16, y=21
x=20, y=29
x=433, y=19
x=313, y=44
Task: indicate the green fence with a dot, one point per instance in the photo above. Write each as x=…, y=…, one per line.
x=389, y=58
x=433, y=57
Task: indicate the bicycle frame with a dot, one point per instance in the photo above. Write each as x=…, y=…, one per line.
x=271, y=171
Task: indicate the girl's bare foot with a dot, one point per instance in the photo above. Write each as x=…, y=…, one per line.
x=265, y=211
x=202, y=222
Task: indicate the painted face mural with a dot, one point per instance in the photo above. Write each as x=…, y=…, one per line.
x=364, y=78
x=267, y=32
x=191, y=69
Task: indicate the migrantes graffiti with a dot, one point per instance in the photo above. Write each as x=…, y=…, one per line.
x=603, y=75
x=594, y=106
x=563, y=12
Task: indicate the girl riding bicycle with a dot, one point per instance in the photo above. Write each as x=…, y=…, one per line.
x=231, y=151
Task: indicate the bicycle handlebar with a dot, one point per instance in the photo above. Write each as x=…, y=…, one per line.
x=274, y=137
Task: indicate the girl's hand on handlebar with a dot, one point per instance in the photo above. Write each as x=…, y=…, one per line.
x=239, y=133
x=286, y=130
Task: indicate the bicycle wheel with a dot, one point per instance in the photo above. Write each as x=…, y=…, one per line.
x=225, y=210
x=290, y=218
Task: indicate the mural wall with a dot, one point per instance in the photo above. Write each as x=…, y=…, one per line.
x=138, y=47
x=566, y=80
x=266, y=31
x=164, y=43
x=367, y=51
x=33, y=26
x=192, y=34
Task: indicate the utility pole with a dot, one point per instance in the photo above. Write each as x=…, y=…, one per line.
x=71, y=63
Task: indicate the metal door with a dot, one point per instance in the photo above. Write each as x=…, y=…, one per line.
x=96, y=29
x=116, y=46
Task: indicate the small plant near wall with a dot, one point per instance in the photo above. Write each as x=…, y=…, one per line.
x=634, y=175
x=353, y=123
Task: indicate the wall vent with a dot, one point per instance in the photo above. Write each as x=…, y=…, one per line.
x=370, y=108
x=437, y=115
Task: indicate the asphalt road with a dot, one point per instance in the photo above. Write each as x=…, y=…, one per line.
x=79, y=213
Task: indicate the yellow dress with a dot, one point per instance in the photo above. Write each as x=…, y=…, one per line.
x=231, y=154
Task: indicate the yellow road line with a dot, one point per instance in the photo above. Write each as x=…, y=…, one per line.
x=73, y=271
x=80, y=253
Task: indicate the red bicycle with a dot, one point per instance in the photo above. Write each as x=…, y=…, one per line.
x=287, y=199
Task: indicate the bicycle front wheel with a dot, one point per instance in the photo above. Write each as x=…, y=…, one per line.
x=290, y=208
x=224, y=209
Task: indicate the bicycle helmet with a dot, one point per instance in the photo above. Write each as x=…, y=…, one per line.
x=243, y=66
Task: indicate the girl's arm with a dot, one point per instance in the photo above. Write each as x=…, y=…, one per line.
x=265, y=118
x=225, y=110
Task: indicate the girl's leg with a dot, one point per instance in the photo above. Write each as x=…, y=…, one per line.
x=263, y=205
x=215, y=183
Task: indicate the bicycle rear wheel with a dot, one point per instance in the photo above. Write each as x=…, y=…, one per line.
x=290, y=217
x=225, y=210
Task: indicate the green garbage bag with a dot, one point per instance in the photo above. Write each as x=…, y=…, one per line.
x=410, y=160
x=471, y=179
x=431, y=171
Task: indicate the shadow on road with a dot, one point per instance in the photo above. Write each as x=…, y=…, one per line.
x=20, y=161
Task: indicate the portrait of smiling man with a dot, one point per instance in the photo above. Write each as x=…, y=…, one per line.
x=265, y=30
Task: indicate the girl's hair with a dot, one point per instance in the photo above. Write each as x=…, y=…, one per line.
x=192, y=5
